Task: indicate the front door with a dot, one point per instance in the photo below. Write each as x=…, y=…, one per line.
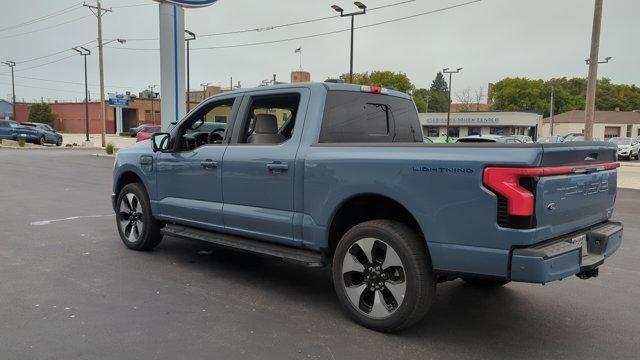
x=259, y=167
x=189, y=179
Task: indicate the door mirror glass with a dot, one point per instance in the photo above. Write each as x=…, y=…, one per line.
x=160, y=141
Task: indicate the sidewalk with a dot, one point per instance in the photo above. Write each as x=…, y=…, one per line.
x=119, y=142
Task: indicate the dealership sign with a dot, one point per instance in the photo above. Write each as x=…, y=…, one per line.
x=190, y=3
x=464, y=120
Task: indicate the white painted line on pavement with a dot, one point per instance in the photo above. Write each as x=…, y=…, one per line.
x=48, y=222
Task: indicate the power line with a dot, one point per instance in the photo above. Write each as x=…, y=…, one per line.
x=313, y=35
x=71, y=82
x=52, y=54
x=45, y=28
x=45, y=17
x=274, y=27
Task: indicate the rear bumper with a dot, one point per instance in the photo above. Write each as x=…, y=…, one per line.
x=567, y=255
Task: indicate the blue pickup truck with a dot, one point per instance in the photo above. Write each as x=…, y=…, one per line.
x=338, y=175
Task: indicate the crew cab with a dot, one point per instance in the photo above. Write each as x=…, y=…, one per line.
x=324, y=174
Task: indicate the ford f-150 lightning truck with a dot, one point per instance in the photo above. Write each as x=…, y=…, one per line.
x=338, y=175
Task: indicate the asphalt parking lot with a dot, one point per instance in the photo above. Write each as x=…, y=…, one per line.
x=70, y=290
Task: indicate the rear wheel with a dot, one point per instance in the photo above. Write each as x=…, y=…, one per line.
x=136, y=226
x=42, y=140
x=382, y=275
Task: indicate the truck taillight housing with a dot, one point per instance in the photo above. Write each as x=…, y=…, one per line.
x=515, y=185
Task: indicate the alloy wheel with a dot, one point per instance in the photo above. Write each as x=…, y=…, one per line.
x=374, y=278
x=130, y=217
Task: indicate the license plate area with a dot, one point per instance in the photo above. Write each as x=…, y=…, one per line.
x=580, y=241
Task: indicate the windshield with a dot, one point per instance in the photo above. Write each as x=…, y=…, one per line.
x=621, y=141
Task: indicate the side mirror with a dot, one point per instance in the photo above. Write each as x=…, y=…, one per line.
x=160, y=141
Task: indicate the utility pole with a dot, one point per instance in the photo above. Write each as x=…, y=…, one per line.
x=450, y=72
x=551, y=106
x=12, y=64
x=188, y=40
x=98, y=11
x=85, y=52
x=231, y=84
x=152, y=88
x=593, y=72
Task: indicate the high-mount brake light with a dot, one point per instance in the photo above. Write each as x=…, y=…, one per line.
x=373, y=89
x=505, y=181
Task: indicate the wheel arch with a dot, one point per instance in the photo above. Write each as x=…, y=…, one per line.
x=127, y=177
x=363, y=207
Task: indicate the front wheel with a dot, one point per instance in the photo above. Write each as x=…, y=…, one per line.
x=59, y=142
x=382, y=275
x=136, y=226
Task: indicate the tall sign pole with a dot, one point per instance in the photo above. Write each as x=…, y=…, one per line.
x=593, y=72
x=172, y=58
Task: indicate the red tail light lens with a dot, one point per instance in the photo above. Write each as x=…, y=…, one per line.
x=520, y=201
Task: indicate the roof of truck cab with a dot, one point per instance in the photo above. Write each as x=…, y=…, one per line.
x=311, y=85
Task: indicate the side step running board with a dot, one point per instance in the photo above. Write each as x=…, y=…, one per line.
x=285, y=253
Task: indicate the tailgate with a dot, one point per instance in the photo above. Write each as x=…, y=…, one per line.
x=584, y=196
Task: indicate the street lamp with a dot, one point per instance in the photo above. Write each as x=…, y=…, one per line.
x=188, y=39
x=85, y=52
x=12, y=64
x=363, y=10
x=606, y=60
x=450, y=72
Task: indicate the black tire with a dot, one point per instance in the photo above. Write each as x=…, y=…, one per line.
x=149, y=237
x=485, y=283
x=59, y=142
x=415, y=272
x=42, y=141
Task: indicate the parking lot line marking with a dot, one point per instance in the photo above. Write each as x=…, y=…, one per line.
x=48, y=222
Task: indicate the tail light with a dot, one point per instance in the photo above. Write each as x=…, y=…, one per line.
x=508, y=183
x=373, y=89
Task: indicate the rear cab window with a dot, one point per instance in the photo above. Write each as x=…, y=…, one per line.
x=355, y=117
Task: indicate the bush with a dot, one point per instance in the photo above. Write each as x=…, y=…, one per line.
x=22, y=142
x=125, y=134
x=41, y=113
x=109, y=149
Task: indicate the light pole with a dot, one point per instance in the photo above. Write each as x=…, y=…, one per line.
x=85, y=52
x=450, y=72
x=190, y=38
x=12, y=64
x=553, y=92
x=363, y=10
x=204, y=90
x=152, y=88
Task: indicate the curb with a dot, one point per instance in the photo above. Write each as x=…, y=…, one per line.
x=48, y=148
x=105, y=156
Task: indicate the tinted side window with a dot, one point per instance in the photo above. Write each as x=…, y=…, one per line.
x=359, y=117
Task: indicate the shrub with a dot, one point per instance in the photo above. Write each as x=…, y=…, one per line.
x=22, y=142
x=41, y=113
x=109, y=149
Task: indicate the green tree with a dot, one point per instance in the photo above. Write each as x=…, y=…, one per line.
x=439, y=84
x=521, y=94
x=41, y=113
x=388, y=79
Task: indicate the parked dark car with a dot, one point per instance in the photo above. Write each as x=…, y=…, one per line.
x=143, y=127
x=12, y=130
x=489, y=139
x=45, y=134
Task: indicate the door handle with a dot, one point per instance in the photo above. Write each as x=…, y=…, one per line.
x=277, y=166
x=209, y=164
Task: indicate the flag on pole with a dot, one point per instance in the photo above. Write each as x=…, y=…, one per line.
x=298, y=50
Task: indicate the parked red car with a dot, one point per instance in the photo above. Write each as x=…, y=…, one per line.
x=146, y=133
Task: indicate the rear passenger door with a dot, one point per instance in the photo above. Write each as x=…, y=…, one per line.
x=259, y=165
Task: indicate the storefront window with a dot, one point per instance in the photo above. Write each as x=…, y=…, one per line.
x=475, y=131
x=501, y=131
x=454, y=132
x=432, y=131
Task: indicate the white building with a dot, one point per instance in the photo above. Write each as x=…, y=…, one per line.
x=607, y=124
x=480, y=123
